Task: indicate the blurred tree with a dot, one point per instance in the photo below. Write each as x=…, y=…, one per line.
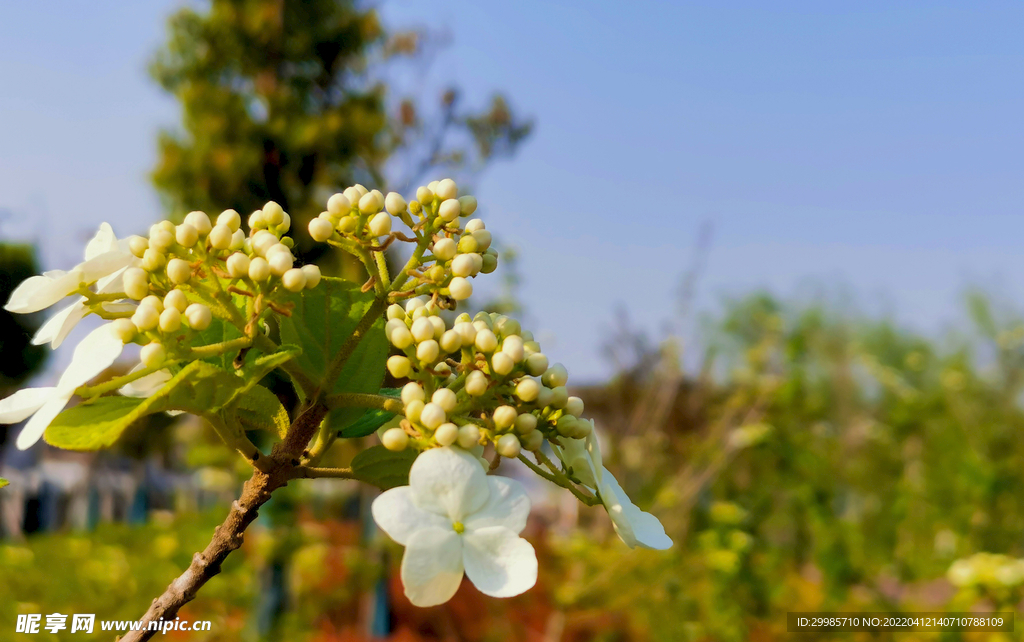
x=19, y=359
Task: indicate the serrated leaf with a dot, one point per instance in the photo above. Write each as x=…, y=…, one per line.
x=199, y=388
x=383, y=468
x=260, y=409
x=371, y=420
x=218, y=332
x=322, y=321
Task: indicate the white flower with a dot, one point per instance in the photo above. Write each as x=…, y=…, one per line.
x=92, y=356
x=633, y=526
x=454, y=518
x=105, y=257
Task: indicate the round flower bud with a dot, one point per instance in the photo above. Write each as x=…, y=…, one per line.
x=428, y=351
x=395, y=439
x=467, y=331
x=513, y=347
x=230, y=219
x=489, y=263
x=370, y=203
x=469, y=436
x=237, y=240
x=467, y=205
x=200, y=221
x=238, y=265
x=273, y=214
x=465, y=265
x=395, y=311
x=451, y=341
x=504, y=417
x=486, y=341
x=353, y=195
x=178, y=271
x=446, y=189
x=566, y=425
x=467, y=244
x=474, y=225
x=399, y=366
x=533, y=441
x=262, y=241
x=136, y=283
x=432, y=415
x=444, y=249
x=146, y=318
x=153, y=260
x=401, y=338
x=170, y=320
x=502, y=364
x=138, y=245
x=527, y=390
x=442, y=369
x=348, y=224
x=176, y=299
x=525, y=424
x=476, y=383
x=152, y=354
x=422, y=329
x=482, y=238
x=445, y=398
x=583, y=429
x=414, y=303
x=286, y=224
x=161, y=240
x=220, y=237
x=537, y=364
x=424, y=195
x=544, y=397
x=186, y=235
x=320, y=230
x=380, y=224
x=257, y=221
x=154, y=302
x=313, y=275
x=413, y=410
x=449, y=210
x=198, y=316
x=338, y=205
x=439, y=327
x=460, y=288
x=294, y=280
x=281, y=262
x=394, y=203
x=574, y=406
x=259, y=269
x=446, y=434
x=507, y=326
x=124, y=329
x=412, y=391
x=508, y=446
x=559, y=397
x=555, y=376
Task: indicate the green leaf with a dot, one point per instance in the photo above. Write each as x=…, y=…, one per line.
x=3, y=482
x=260, y=409
x=371, y=420
x=322, y=321
x=383, y=468
x=218, y=332
x=199, y=388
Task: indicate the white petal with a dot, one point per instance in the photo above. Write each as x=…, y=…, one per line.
x=499, y=562
x=37, y=425
x=104, y=265
x=398, y=516
x=93, y=355
x=575, y=455
x=57, y=327
x=113, y=282
x=633, y=526
x=104, y=241
x=432, y=566
x=508, y=506
x=23, y=403
x=147, y=385
x=38, y=292
x=449, y=482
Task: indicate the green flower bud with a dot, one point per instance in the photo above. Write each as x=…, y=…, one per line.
x=348, y=224
x=508, y=446
x=467, y=205
x=559, y=397
x=467, y=245
x=482, y=238
x=555, y=376
x=489, y=263
x=533, y=441
x=536, y=364
x=566, y=426
x=574, y=406
x=525, y=424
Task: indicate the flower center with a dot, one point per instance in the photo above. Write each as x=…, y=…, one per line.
x=459, y=528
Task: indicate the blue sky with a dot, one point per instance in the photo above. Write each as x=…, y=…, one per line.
x=861, y=146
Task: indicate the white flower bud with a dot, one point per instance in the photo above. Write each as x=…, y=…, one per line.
x=152, y=354
x=445, y=398
x=463, y=264
x=238, y=265
x=281, y=262
x=380, y=224
x=486, y=341
x=414, y=304
x=428, y=351
x=237, y=240
x=446, y=189
x=451, y=341
x=286, y=224
x=555, y=376
x=467, y=331
x=262, y=241
x=124, y=329
x=294, y=280
x=338, y=205
x=412, y=391
x=200, y=221
x=401, y=338
x=439, y=326
x=413, y=410
x=504, y=417
x=444, y=249
x=146, y=318
x=424, y=195
x=422, y=329
x=468, y=205
x=396, y=311
x=320, y=230
x=394, y=203
x=513, y=347
x=259, y=269
x=399, y=366
x=446, y=434
x=574, y=406
x=395, y=439
x=257, y=221
x=508, y=446
x=370, y=203
x=220, y=237
x=483, y=239
x=353, y=195
x=432, y=415
x=153, y=260
x=559, y=397
x=186, y=235
x=176, y=299
x=154, y=302
x=273, y=213
x=525, y=424
x=476, y=383
x=178, y=271
x=230, y=219
x=161, y=240
x=502, y=364
x=527, y=390
x=313, y=275
x=198, y=316
x=537, y=364
x=138, y=245
x=469, y=436
x=460, y=288
x=533, y=441
x=136, y=283
x=170, y=320
x=474, y=225
x=449, y=210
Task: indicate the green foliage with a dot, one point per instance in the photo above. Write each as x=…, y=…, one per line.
x=383, y=468
x=19, y=359
x=260, y=409
x=3, y=482
x=371, y=419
